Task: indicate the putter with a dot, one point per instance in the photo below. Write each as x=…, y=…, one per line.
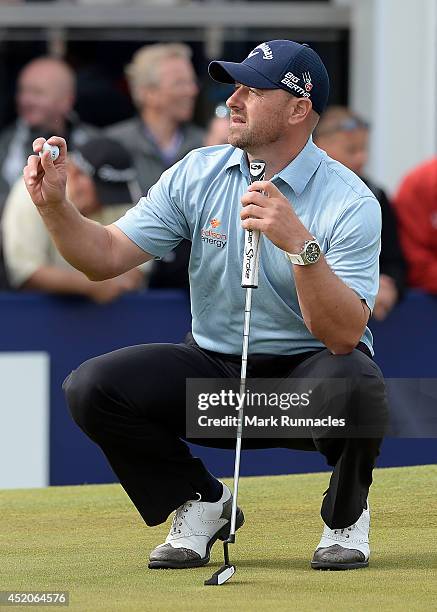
x=249, y=281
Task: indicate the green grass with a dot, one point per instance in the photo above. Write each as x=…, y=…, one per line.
x=89, y=540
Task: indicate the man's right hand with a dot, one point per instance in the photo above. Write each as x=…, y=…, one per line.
x=100, y=252
x=46, y=179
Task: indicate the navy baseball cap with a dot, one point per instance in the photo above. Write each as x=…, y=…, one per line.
x=279, y=64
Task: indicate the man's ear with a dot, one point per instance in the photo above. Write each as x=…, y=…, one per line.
x=300, y=110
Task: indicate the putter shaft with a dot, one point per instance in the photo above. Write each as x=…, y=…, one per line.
x=246, y=329
x=249, y=282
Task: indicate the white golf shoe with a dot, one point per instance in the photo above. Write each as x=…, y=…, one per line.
x=343, y=549
x=196, y=526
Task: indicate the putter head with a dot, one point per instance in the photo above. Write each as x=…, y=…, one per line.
x=222, y=575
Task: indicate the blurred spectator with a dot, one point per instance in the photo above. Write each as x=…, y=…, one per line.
x=218, y=127
x=344, y=136
x=102, y=184
x=45, y=97
x=163, y=86
x=416, y=208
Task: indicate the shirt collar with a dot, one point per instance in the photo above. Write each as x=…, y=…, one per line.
x=238, y=158
x=298, y=172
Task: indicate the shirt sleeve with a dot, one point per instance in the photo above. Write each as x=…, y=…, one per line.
x=158, y=223
x=354, y=247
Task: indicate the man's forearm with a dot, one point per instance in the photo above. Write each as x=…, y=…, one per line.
x=85, y=244
x=332, y=311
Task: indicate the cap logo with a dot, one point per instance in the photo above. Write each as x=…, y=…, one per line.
x=292, y=77
x=290, y=80
x=307, y=81
x=266, y=51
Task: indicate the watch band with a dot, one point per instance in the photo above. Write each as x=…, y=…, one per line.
x=301, y=258
x=295, y=259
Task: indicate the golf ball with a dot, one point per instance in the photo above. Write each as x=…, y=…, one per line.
x=54, y=150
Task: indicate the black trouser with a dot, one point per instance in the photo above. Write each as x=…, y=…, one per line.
x=131, y=402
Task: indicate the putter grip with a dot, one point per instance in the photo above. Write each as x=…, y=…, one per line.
x=249, y=277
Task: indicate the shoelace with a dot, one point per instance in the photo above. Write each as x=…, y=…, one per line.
x=179, y=515
x=341, y=531
x=351, y=528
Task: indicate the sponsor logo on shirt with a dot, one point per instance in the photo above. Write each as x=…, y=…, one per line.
x=209, y=236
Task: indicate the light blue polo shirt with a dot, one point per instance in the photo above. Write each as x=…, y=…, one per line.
x=199, y=199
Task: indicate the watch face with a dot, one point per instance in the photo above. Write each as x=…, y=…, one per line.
x=312, y=252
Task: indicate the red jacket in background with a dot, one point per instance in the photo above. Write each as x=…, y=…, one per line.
x=416, y=209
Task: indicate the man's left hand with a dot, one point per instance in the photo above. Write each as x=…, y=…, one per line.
x=266, y=209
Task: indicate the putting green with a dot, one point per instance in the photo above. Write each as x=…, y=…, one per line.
x=90, y=541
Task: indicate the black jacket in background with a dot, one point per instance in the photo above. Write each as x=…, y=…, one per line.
x=391, y=260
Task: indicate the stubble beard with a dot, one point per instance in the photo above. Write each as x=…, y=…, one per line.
x=250, y=140
x=242, y=141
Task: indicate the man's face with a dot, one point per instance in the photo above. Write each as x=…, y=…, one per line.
x=176, y=91
x=348, y=147
x=43, y=96
x=258, y=116
x=81, y=190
